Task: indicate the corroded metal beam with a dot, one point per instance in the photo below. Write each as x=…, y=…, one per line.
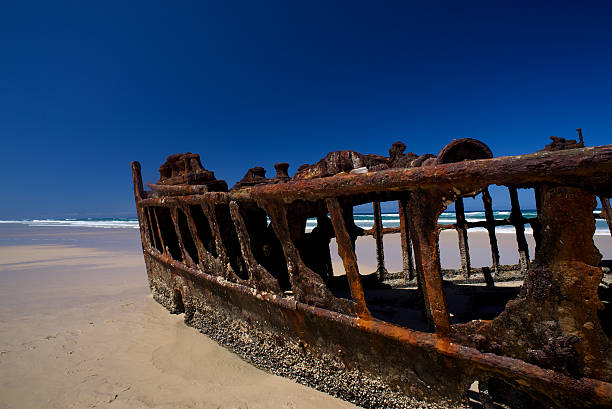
x=161, y=238
x=138, y=195
x=426, y=207
x=554, y=320
x=516, y=218
x=193, y=229
x=589, y=168
x=381, y=270
x=464, y=250
x=307, y=285
x=186, y=256
x=606, y=211
x=215, y=197
x=258, y=275
x=347, y=253
x=153, y=240
x=490, y=226
x=407, y=263
x=222, y=257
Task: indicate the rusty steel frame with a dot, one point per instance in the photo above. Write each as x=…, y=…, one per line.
x=578, y=374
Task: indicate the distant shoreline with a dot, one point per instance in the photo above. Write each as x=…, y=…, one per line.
x=364, y=220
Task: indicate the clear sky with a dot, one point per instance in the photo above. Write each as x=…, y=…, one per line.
x=87, y=87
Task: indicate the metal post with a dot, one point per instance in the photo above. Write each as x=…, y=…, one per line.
x=407, y=263
x=203, y=254
x=346, y=252
x=464, y=250
x=381, y=271
x=208, y=208
x=138, y=196
x=349, y=222
x=606, y=211
x=425, y=235
x=257, y=273
x=161, y=239
x=184, y=253
x=516, y=217
x=537, y=225
x=152, y=233
x=490, y=218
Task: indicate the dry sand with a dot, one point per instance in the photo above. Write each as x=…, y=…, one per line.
x=79, y=329
x=478, y=243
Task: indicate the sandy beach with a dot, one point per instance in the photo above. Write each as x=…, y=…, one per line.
x=480, y=250
x=80, y=329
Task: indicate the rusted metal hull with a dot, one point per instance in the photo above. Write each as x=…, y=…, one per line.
x=396, y=359
x=244, y=270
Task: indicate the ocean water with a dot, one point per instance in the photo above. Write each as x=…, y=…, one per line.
x=363, y=220
x=366, y=221
x=100, y=222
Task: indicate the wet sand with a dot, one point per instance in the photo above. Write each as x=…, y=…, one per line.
x=78, y=327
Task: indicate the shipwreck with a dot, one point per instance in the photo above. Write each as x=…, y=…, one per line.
x=244, y=268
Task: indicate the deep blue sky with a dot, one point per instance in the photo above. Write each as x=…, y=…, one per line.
x=87, y=88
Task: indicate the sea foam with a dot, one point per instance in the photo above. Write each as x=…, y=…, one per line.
x=363, y=220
